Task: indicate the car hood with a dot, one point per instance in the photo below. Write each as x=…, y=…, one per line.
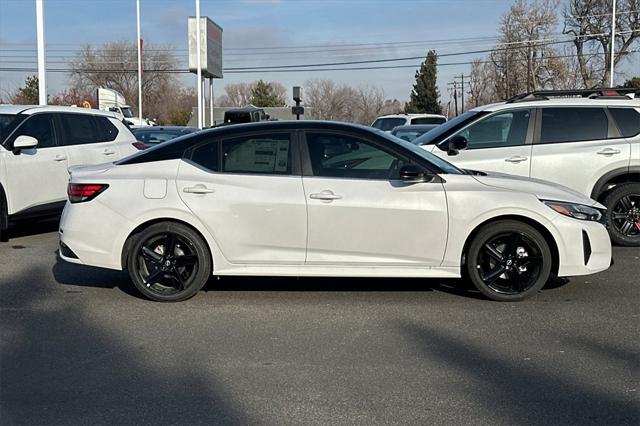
x=540, y=188
x=93, y=169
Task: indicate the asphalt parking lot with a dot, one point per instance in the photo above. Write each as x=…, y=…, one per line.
x=79, y=347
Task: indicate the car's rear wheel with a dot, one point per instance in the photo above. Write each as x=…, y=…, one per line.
x=623, y=214
x=508, y=260
x=169, y=262
x=4, y=222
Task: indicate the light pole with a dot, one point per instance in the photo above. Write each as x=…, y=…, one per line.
x=42, y=65
x=139, y=61
x=199, y=65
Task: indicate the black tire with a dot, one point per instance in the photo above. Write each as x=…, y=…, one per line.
x=164, y=274
x=623, y=214
x=508, y=261
x=4, y=220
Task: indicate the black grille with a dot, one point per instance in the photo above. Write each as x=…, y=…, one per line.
x=586, y=247
x=66, y=251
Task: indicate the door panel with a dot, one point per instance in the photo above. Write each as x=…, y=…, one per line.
x=360, y=213
x=500, y=142
x=81, y=136
x=37, y=176
x=258, y=217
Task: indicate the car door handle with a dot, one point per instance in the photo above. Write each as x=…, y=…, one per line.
x=60, y=157
x=325, y=196
x=608, y=151
x=108, y=152
x=516, y=159
x=198, y=189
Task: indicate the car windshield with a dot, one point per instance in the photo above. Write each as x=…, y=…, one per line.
x=8, y=122
x=443, y=165
x=387, y=124
x=433, y=135
x=153, y=136
x=409, y=134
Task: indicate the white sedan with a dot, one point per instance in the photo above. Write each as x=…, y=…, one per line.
x=324, y=199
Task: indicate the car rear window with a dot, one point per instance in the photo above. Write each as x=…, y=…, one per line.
x=628, y=121
x=387, y=124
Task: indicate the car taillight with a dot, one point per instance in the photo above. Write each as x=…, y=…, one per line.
x=139, y=145
x=81, y=192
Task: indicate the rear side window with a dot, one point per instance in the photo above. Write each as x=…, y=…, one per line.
x=428, y=120
x=78, y=129
x=206, y=155
x=267, y=153
x=107, y=132
x=573, y=125
x=39, y=126
x=628, y=121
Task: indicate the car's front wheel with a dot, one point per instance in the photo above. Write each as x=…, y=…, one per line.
x=169, y=262
x=508, y=260
x=623, y=214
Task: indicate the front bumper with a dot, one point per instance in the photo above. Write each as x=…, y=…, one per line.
x=583, y=247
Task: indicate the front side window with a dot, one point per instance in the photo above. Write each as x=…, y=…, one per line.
x=39, y=126
x=78, y=129
x=342, y=156
x=268, y=154
x=573, y=125
x=628, y=120
x=507, y=128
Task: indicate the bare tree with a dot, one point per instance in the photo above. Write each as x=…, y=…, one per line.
x=114, y=65
x=589, y=22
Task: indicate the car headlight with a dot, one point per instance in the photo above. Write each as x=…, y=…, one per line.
x=576, y=211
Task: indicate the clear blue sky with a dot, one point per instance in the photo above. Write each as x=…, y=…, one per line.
x=251, y=23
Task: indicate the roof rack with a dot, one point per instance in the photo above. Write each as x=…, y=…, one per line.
x=600, y=93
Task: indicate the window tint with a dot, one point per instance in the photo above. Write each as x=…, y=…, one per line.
x=78, y=129
x=573, y=124
x=503, y=129
x=628, y=121
x=270, y=153
x=343, y=156
x=39, y=126
x=428, y=120
x=107, y=132
x=387, y=124
x=206, y=155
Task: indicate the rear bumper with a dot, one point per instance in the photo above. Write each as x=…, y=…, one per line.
x=584, y=247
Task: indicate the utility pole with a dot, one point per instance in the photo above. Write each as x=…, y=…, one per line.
x=42, y=64
x=461, y=80
x=613, y=41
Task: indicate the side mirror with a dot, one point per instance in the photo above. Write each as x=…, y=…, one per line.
x=24, y=142
x=414, y=174
x=456, y=144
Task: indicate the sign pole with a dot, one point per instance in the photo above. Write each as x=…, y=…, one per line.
x=211, y=102
x=199, y=64
x=42, y=77
x=139, y=60
x=613, y=41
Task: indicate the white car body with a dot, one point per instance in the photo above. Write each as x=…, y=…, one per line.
x=35, y=180
x=386, y=123
x=284, y=225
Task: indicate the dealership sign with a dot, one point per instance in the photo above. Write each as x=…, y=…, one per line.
x=210, y=47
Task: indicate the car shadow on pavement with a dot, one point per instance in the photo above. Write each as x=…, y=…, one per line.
x=28, y=228
x=61, y=365
x=515, y=391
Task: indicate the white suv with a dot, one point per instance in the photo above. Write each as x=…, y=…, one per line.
x=38, y=144
x=589, y=143
x=386, y=123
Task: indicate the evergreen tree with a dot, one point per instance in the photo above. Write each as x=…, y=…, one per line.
x=28, y=95
x=425, y=96
x=264, y=95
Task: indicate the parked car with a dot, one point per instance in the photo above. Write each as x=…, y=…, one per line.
x=411, y=132
x=386, y=123
x=151, y=136
x=269, y=199
x=37, y=146
x=590, y=144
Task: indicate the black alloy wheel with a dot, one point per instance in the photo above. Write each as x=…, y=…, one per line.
x=508, y=260
x=623, y=214
x=169, y=262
